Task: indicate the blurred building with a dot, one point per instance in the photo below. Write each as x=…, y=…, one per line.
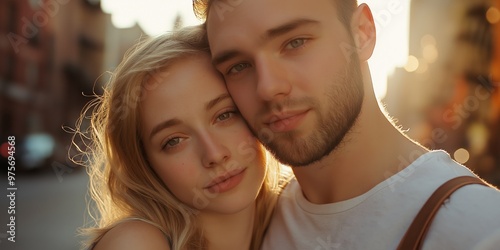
x=52, y=53
x=448, y=93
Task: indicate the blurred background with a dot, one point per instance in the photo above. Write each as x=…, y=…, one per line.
x=436, y=69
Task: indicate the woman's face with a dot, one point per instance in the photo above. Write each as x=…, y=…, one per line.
x=196, y=140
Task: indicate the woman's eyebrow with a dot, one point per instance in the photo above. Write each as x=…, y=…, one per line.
x=163, y=125
x=216, y=100
x=173, y=122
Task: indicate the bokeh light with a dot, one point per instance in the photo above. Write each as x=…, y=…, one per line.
x=411, y=64
x=430, y=53
x=461, y=155
x=493, y=15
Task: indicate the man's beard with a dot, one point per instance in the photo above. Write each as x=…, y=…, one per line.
x=345, y=98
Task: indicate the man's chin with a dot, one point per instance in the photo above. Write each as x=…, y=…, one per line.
x=294, y=155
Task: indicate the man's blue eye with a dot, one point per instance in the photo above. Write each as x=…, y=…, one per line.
x=237, y=68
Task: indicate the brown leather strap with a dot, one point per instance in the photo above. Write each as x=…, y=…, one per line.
x=413, y=239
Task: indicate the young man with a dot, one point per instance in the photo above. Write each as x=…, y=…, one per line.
x=298, y=72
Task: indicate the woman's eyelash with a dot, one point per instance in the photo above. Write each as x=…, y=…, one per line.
x=166, y=143
x=297, y=43
x=229, y=113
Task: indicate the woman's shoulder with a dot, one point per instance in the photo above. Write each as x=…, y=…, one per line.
x=133, y=235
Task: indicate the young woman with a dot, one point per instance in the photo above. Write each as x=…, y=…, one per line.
x=172, y=164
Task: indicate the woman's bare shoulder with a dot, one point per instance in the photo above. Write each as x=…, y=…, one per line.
x=133, y=235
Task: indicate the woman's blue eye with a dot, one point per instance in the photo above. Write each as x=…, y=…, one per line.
x=296, y=43
x=172, y=142
x=226, y=115
x=238, y=68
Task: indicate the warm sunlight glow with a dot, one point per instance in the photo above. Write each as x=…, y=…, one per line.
x=154, y=16
x=391, y=50
x=121, y=21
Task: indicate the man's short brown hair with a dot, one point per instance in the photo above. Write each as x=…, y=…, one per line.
x=345, y=9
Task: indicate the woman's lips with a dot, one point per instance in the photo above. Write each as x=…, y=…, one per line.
x=226, y=181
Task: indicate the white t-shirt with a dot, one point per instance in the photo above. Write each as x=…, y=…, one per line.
x=379, y=218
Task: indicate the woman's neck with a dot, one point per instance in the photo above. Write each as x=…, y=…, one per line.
x=228, y=231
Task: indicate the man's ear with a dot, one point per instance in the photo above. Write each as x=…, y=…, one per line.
x=363, y=31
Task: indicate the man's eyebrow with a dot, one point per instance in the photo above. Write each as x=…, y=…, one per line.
x=269, y=35
x=287, y=27
x=224, y=56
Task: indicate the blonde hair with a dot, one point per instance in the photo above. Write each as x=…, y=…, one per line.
x=122, y=184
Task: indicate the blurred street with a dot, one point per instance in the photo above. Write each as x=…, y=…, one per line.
x=49, y=210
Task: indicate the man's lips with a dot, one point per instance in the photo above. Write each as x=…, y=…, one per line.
x=221, y=178
x=284, y=116
x=286, y=121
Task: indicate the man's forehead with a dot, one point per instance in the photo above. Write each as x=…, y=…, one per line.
x=220, y=10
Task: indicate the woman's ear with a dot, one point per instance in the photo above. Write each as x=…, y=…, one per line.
x=363, y=31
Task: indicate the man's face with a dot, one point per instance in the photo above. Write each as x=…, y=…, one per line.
x=291, y=68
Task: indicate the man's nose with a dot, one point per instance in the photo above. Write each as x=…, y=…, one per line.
x=272, y=79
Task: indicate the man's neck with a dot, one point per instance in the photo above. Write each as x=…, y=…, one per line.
x=371, y=152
